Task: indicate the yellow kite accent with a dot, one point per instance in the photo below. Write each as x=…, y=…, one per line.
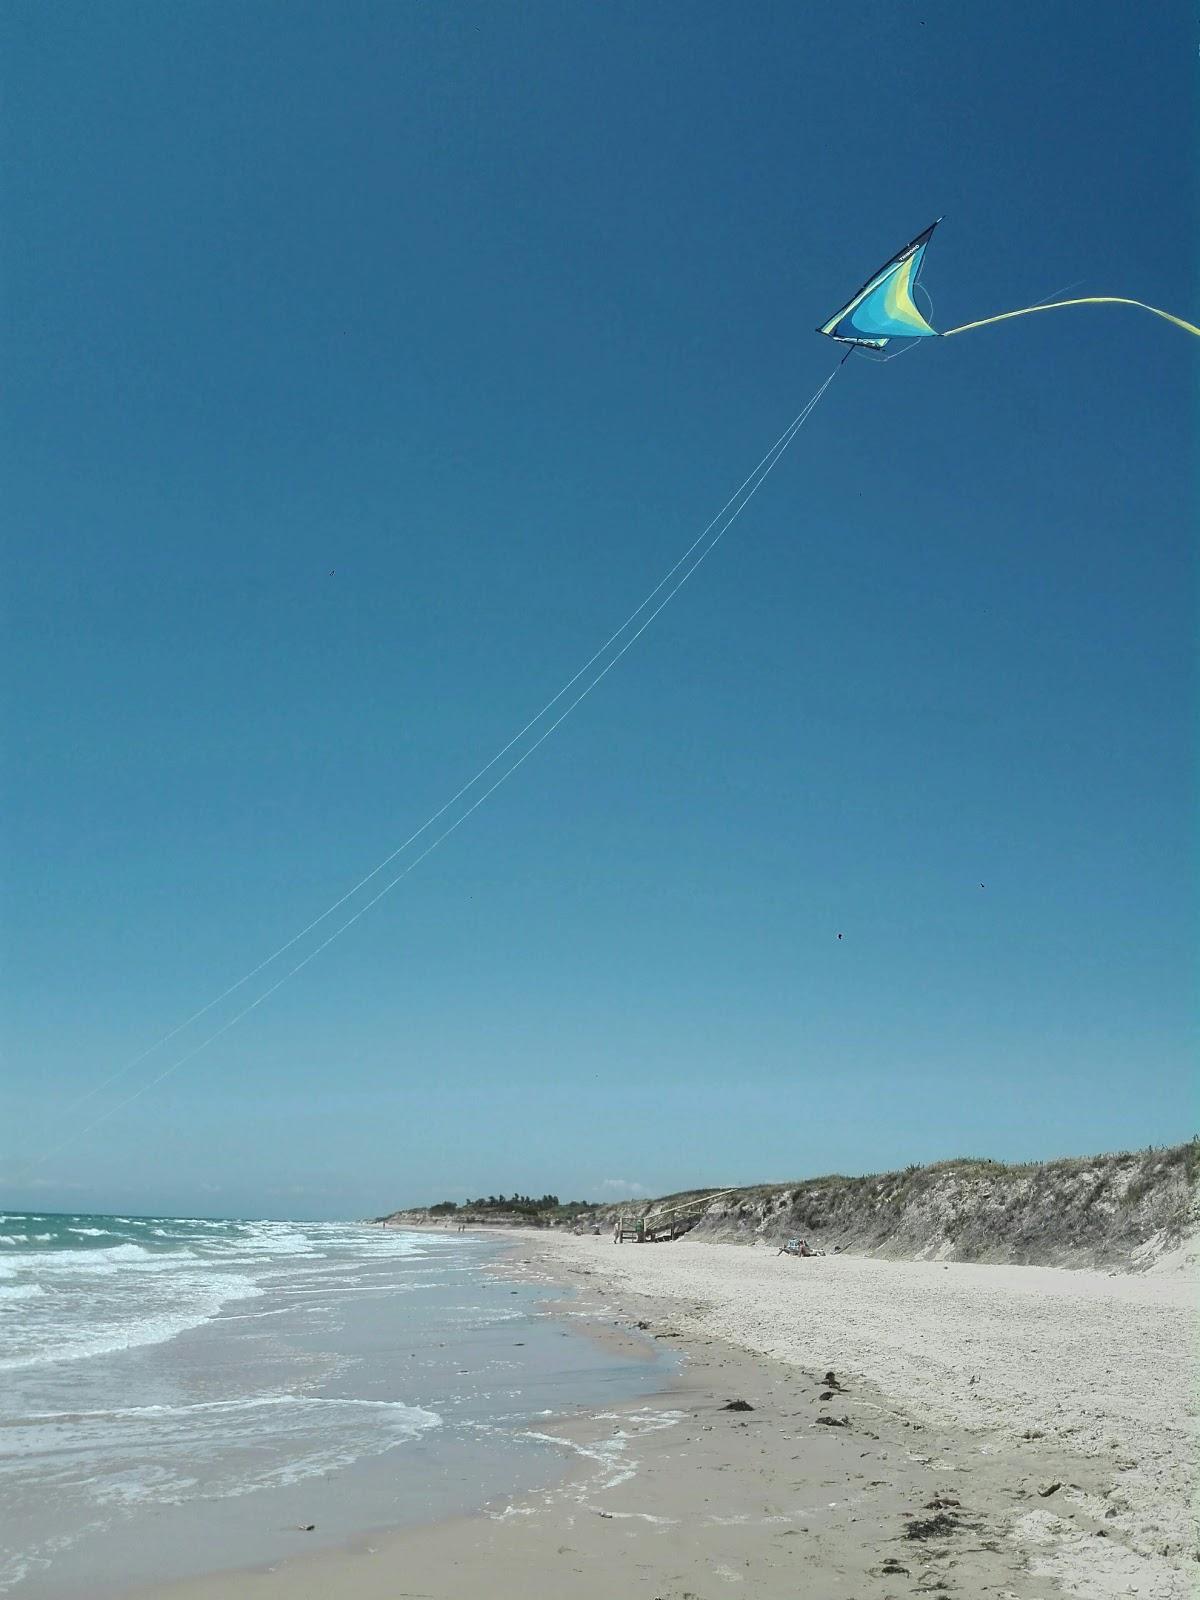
x=1086, y=300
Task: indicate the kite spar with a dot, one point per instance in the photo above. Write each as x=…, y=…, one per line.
x=884, y=309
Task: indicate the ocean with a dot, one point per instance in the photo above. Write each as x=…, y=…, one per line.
x=183, y=1394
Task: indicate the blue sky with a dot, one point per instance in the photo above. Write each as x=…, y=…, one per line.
x=486, y=310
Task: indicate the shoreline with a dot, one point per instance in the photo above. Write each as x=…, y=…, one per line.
x=593, y=1456
x=372, y=1383
x=674, y=1495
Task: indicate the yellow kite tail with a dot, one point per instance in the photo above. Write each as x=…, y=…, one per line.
x=1088, y=300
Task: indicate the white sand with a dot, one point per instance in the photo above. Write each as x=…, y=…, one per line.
x=1100, y=1364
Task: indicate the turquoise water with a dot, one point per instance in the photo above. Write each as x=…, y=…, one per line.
x=79, y=1286
x=183, y=1393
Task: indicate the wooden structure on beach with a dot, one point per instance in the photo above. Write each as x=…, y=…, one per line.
x=668, y=1224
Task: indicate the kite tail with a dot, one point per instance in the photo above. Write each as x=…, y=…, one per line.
x=1087, y=300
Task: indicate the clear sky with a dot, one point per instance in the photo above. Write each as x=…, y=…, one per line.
x=365, y=365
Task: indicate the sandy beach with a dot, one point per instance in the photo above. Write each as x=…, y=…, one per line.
x=1021, y=1432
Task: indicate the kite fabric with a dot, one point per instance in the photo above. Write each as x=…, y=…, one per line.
x=883, y=309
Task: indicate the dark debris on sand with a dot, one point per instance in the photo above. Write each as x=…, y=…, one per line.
x=936, y=1527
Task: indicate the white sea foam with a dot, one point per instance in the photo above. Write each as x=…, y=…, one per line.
x=102, y=1260
x=278, y=1239
x=185, y=1273
x=107, y=1322
x=105, y=1409
x=252, y=1402
x=114, y=1461
x=316, y=1426
x=196, y=1222
x=609, y=1454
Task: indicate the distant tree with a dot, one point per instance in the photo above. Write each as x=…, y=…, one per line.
x=443, y=1208
x=525, y=1205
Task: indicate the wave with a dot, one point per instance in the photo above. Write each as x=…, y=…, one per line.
x=111, y=1290
x=108, y=1322
x=230, y=1410
x=199, y=1222
x=112, y=1258
x=237, y=1447
x=277, y=1239
x=250, y=1402
x=20, y=1291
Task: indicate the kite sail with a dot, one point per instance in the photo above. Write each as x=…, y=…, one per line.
x=884, y=309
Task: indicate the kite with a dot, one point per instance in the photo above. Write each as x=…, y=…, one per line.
x=884, y=308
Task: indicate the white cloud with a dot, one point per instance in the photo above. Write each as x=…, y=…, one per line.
x=624, y=1187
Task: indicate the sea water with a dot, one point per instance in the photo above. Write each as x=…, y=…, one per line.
x=183, y=1394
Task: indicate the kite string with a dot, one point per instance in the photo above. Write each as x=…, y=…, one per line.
x=336, y=905
x=1054, y=293
x=1086, y=300
x=764, y=470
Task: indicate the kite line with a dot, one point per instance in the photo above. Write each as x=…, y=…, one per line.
x=705, y=543
x=1086, y=300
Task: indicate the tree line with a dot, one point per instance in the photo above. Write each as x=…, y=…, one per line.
x=523, y=1204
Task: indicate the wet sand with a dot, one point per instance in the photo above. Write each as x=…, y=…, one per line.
x=855, y=1489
